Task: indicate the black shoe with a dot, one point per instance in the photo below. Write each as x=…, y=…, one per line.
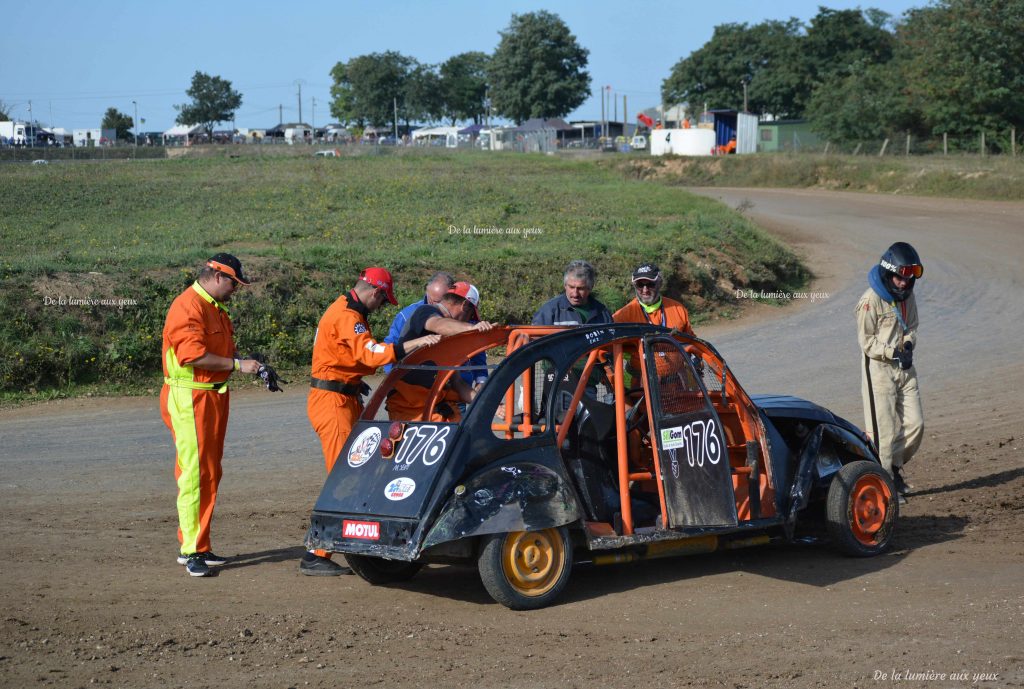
x=196, y=566
x=316, y=566
x=902, y=487
x=208, y=557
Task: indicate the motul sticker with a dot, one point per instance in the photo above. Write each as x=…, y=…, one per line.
x=367, y=531
x=363, y=448
x=400, y=489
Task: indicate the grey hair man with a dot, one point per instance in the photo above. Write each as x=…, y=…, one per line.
x=576, y=305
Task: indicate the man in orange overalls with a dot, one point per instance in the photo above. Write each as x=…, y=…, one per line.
x=649, y=306
x=198, y=357
x=343, y=352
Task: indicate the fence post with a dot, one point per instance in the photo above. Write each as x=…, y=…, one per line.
x=945, y=143
x=857, y=150
x=908, y=144
x=885, y=145
x=983, y=144
x=827, y=144
x=1013, y=141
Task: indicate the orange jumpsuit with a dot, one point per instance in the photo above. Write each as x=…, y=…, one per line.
x=672, y=314
x=194, y=405
x=343, y=351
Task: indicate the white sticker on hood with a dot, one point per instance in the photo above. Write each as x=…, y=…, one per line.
x=400, y=489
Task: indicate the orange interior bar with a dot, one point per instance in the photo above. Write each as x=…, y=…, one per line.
x=621, y=450
x=577, y=395
x=654, y=439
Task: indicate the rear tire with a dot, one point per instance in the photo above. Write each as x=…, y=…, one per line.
x=526, y=570
x=862, y=509
x=378, y=571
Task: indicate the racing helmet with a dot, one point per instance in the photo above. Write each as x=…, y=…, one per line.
x=901, y=260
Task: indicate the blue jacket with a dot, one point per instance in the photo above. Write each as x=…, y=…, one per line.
x=398, y=324
x=395, y=334
x=559, y=311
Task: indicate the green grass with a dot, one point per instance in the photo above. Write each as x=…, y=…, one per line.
x=304, y=227
x=958, y=176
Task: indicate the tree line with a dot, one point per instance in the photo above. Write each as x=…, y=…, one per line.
x=955, y=67
x=537, y=70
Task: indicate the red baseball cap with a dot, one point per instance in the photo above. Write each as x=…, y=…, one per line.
x=379, y=277
x=469, y=293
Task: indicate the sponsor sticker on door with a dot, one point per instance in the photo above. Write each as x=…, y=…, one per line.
x=400, y=489
x=367, y=531
x=672, y=438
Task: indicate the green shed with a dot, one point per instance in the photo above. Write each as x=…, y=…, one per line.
x=786, y=135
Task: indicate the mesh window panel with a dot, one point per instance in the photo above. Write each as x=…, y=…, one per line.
x=678, y=389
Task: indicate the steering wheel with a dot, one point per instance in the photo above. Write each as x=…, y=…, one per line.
x=637, y=415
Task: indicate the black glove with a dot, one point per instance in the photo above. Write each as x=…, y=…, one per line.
x=269, y=377
x=906, y=356
x=364, y=390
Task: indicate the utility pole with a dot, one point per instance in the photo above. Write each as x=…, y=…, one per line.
x=625, y=117
x=615, y=107
x=32, y=127
x=602, y=113
x=313, y=123
x=280, y=114
x=135, y=124
x=396, y=120
x=299, y=84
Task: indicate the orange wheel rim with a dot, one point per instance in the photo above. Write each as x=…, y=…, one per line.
x=869, y=506
x=533, y=561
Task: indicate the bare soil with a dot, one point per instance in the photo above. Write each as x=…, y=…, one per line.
x=91, y=593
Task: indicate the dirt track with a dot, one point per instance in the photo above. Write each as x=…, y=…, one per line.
x=91, y=593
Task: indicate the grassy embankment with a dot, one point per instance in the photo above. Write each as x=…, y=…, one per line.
x=961, y=176
x=304, y=227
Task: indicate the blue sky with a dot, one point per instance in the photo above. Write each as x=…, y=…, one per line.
x=74, y=59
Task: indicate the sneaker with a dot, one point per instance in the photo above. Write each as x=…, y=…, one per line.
x=208, y=557
x=316, y=566
x=196, y=567
x=902, y=487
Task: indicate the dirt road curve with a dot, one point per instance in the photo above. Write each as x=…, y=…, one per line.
x=91, y=593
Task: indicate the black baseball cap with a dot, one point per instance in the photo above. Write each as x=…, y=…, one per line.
x=229, y=265
x=647, y=271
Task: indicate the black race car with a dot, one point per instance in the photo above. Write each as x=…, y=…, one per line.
x=601, y=444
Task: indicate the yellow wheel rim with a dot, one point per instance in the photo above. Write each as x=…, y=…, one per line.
x=533, y=561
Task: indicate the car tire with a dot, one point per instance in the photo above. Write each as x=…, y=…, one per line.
x=861, y=509
x=378, y=571
x=526, y=570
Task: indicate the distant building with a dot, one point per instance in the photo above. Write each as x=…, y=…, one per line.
x=84, y=138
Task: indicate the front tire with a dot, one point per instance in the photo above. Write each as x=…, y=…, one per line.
x=526, y=570
x=379, y=571
x=862, y=509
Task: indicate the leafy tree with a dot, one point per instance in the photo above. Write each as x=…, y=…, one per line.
x=862, y=104
x=5, y=112
x=422, y=95
x=765, y=56
x=113, y=119
x=464, y=86
x=538, y=68
x=839, y=40
x=964, y=65
x=365, y=87
x=213, y=101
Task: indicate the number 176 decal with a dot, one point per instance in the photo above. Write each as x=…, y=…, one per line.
x=698, y=437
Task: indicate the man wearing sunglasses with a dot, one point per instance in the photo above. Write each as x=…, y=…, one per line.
x=199, y=356
x=887, y=332
x=649, y=306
